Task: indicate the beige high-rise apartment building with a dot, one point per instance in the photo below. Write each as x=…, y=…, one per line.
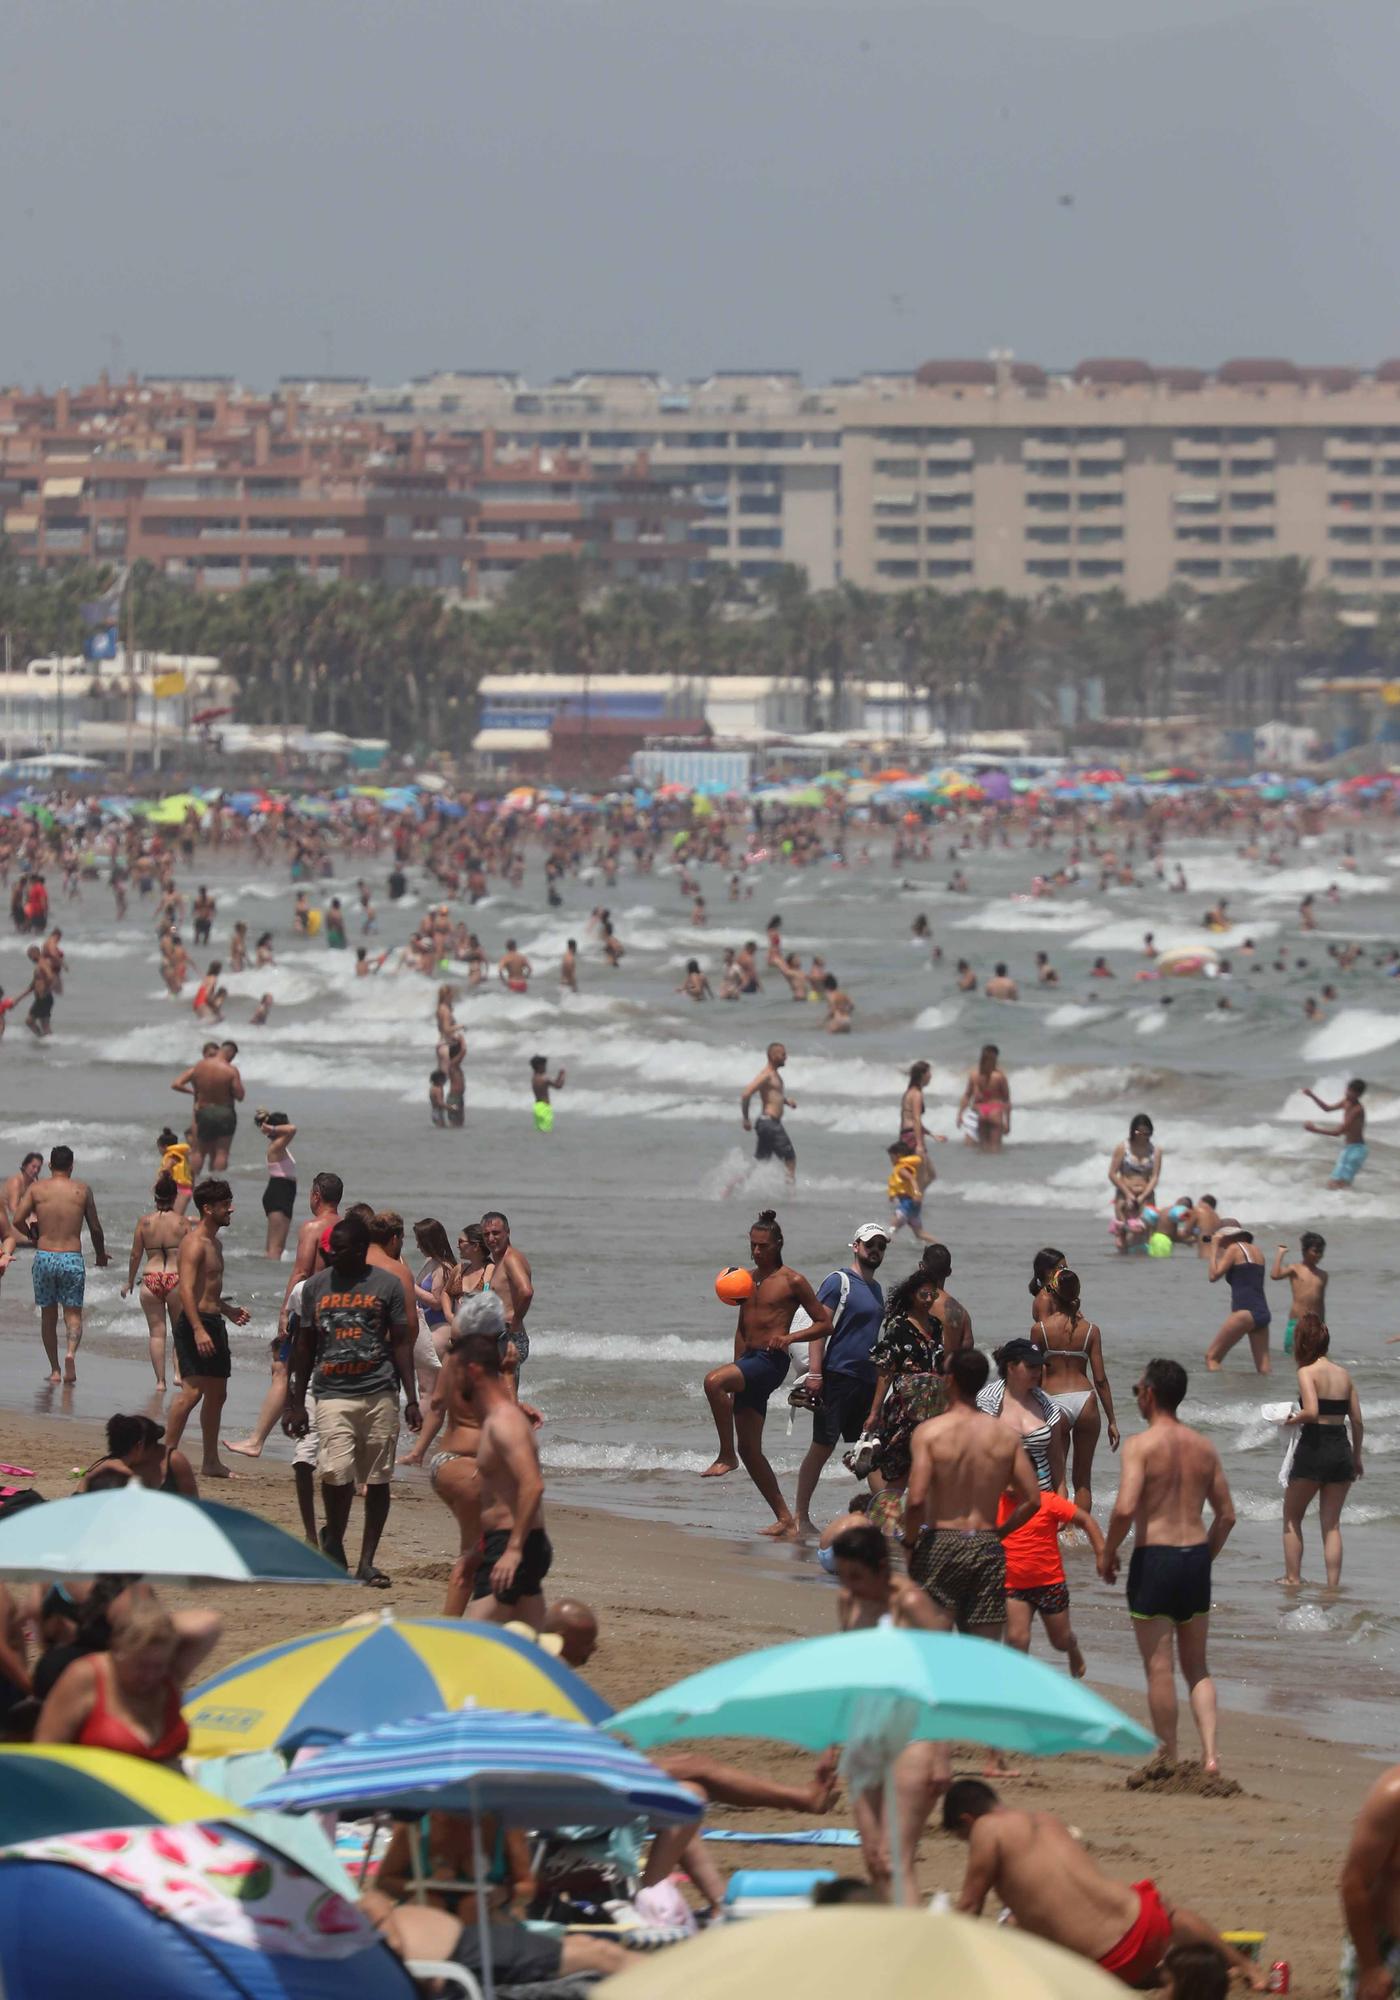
x=987, y=474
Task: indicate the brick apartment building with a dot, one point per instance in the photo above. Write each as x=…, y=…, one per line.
x=223, y=489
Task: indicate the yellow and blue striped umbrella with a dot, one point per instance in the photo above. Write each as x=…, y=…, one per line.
x=49, y=1789
x=326, y=1685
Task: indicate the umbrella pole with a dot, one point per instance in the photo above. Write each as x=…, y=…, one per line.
x=483, y=1921
x=368, y=1854
x=892, y=1838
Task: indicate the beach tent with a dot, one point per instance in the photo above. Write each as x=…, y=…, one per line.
x=171, y=1913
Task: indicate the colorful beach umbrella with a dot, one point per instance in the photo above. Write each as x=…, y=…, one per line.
x=831, y=1954
x=525, y=1770
x=327, y=1685
x=816, y=1692
x=48, y=1789
x=156, y=1534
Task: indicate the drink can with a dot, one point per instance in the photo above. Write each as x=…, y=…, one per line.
x=1280, y=1977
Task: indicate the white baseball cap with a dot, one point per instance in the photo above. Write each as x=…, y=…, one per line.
x=870, y=1231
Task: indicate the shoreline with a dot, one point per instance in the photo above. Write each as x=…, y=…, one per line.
x=671, y=1601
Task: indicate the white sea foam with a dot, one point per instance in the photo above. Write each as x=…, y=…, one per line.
x=1356, y=1031
x=1127, y=935
x=1016, y=913
x=942, y=1016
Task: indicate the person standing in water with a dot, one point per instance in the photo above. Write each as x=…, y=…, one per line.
x=770, y=1134
x=201, y=1330
x=1351, y=1132
x=280, y=1195
x=1307, y=1281
x=1170, y=1475
x=1235, y=1257
x=158, y=1237
x=1324, y=1463
x=738, y=1393
x=61, y=1207
x=541, y=1083
x=1133, y=1172
x=1075, y=1379
x=988, y=1094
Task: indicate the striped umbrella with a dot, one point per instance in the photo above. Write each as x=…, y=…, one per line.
x=526, y=1770
x=326, y=1685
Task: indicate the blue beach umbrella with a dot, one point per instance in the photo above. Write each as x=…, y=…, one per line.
x=156, y=1534
x=526, y=1770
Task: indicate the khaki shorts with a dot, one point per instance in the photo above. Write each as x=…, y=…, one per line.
x=357, y=1435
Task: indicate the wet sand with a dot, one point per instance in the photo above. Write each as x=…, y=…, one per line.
x=671, y=1602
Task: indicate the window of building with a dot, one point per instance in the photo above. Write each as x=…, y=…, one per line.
x=1199, y=567
x=1241, y=537
x=947, y=503
x=1099, y=567
x=899, y=535
x=1093, y=503
x=760, y=503
x=1048, y=468
x=1047, y=537
x=947, y=468
x=1199, y=468
x=1350, y=566
x=1352, y=468
x=945, y=567
x=713, y=538
x=1190, y=531
x=1239, y=436
x=937, y=535
x=763, y=475
x=706, y=440
x=1048, y=566
x=1198, y=503
x=1360, y=535
x=1100, y=468
x=893, y=568
x=1247, y=566
x=1251, y=468
x=1049, y=503
x=1088, y=536
x=897, y=468
x=755, y=570
x=1390, y=569
x=1208, y=436
x=1352, y=503
x=760, y=538
x=1250, y=503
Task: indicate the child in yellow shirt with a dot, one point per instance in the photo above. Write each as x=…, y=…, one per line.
x=905, y=1189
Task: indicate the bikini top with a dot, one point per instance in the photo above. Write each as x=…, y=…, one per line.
x=105, y=1731
x=1137, y=1167
x=1333, y=1406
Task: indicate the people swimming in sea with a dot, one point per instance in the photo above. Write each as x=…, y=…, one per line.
x=541, y=1083
x=1236, y=1257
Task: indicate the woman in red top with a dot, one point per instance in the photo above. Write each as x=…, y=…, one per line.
x=129, y=1699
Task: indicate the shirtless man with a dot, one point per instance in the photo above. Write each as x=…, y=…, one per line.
x=385, y=1253
x=1169, y=1474
x=738, y=1392
x=313, y=1238
x=510, y=1280
x=839, y=1007
x=1351, y=1132
x=11, y=1192
x=39, y=1019
x=514, y=970
x=962, y=1463
x=217, y=1089
x=771, y=1139
x=1001, y=986
x=59, y=1206
x=989, y=1093
x=514, y=1555
x=452, y=1056
x=1370, y=1888
x=1056, y=1890
x=1306, y=1278
x=568, y=967
x=201, y=1335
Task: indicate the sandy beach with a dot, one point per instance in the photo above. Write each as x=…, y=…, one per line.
x=670, y=1602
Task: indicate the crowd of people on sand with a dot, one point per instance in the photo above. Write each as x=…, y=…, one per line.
x=973, y=1473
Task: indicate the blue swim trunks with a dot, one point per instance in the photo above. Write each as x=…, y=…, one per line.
x=909, y=1211
x=764, y=1369
x=1350, y=1161
x=59, y=1278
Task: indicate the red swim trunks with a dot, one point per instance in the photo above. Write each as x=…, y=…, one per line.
x=1140, y=1950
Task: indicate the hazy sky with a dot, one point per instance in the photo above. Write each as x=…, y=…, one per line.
x=267, y=186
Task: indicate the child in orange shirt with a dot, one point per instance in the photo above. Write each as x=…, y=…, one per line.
x=1035, y=1574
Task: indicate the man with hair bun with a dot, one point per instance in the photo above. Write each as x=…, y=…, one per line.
x=738, y=1392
